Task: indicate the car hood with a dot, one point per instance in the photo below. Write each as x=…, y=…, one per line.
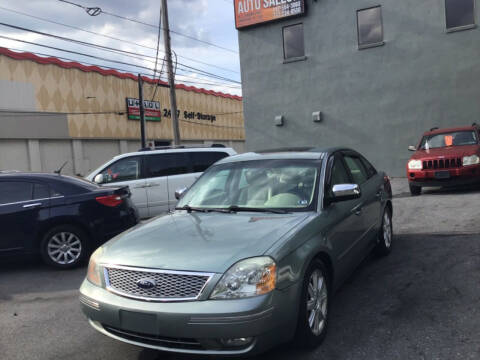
x=209, y=242
x=453, y=151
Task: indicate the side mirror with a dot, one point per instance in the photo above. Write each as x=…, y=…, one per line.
x=412, y=148
x=98, y=179
x=343, y=192
x=179, y=193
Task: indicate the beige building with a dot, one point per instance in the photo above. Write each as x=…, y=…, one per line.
x=52, y=111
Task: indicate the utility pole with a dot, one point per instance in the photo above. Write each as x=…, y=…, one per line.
x=171, y=80
x=142, y=111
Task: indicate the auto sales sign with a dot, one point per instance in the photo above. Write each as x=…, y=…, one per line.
x=253, y=12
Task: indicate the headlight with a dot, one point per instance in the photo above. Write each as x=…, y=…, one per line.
x=415, y=165
x=249, y=277
x=471, y=160
x=94, y=271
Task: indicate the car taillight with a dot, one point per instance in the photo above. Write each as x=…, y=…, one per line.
x=109, y=200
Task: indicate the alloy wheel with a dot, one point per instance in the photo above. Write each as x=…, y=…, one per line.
x=64, y=248
x=317, y=302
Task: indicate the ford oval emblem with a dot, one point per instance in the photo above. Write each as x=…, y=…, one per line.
x=146, y=283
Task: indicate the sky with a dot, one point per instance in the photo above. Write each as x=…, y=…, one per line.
x=211, y=21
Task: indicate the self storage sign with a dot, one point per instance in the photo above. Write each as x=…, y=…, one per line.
x=253, y=12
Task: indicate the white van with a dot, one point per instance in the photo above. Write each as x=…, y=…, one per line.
x=154, y=175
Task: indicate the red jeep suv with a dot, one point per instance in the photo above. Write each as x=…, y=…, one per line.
x=445, y=157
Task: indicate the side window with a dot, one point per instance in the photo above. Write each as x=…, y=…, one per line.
x=371, y=171
x=354, y=164
x=123, y=170
x=201, y=161
x=339, y=175
x=167, y=164
x=13, y=191
x=41, y=191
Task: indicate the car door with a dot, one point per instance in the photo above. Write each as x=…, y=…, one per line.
x=374, y=187
x=159, y=167
x=22, y=205
x=346, y=223
x=369, y=204
x=129, y=171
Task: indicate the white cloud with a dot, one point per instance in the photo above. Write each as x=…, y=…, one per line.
x=211, y=21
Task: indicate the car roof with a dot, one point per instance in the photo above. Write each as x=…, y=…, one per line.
x=452, y=129
x=293, y=153
x=24, y=175
x=227, y=150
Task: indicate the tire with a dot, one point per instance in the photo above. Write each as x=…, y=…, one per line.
x=385, y=234
x=312, y=321
x=64, y=247
x=415, y=190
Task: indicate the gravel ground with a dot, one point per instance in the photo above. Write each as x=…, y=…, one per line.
x=421, y=302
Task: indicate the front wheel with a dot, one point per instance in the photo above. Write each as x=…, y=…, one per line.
x=385, y=234
x=64, y=246
x=314, y=306
x=415, y=190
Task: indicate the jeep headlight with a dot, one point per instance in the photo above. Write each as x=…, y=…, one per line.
x=247, y=278
x=94, y=271
x=415, y=165
x=471, y=160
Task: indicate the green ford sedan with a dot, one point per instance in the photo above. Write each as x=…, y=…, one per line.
x=250, y=258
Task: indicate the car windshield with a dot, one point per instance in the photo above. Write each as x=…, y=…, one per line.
x=457, y=138
x=255, y=185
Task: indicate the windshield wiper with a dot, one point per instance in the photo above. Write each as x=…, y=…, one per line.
x=190, y=209
x=236, y=208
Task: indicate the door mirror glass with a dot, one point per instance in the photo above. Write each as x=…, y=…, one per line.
x=179, y=193
x=412, y=148
x=343, y=192
x=98, y=179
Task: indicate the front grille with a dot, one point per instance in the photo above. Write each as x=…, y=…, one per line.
x=449, y=163
x=169, y=285
x=167, y=342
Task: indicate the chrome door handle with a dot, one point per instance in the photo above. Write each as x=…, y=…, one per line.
x=32, y=205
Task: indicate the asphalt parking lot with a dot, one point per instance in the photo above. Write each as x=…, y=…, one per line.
x=421, y=302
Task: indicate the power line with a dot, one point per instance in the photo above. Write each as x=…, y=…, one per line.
x=94, y=11
x=122, y=70
x=213, y=125
x=114, y=50
x=156, y=54
x=113, y=38
x=10, y=113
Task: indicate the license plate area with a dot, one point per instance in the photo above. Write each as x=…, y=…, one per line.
x=442, y=174
x=138, y=322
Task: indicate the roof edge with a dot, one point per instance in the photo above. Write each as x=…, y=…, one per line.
x=105, y=72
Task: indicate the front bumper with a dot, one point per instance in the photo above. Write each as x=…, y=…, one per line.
x=458, y=176
x=194, y=327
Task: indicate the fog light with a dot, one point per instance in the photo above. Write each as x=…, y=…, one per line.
x=237, y=342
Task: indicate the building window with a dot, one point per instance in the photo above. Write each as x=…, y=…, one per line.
x=293, y=45
x=370, y=27
x=459, y=14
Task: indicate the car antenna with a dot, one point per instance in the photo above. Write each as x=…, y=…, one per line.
x=61, y=168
